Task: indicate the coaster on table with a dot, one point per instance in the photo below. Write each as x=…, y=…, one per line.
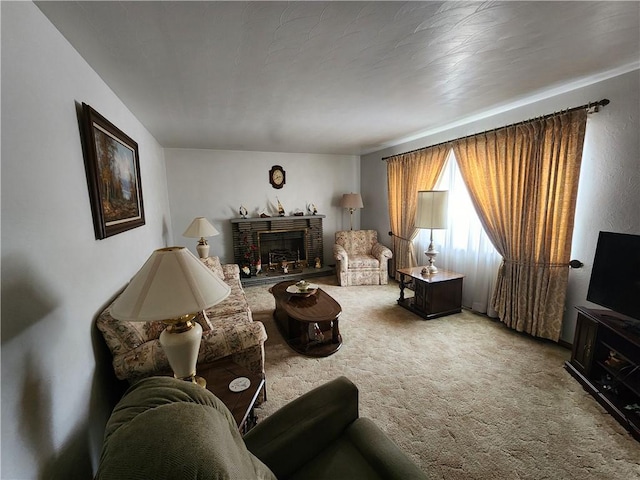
x=239, y=384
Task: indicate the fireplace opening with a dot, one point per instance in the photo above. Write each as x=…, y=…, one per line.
x=278, y=247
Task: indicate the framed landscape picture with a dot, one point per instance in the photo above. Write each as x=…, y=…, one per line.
x=113, y=175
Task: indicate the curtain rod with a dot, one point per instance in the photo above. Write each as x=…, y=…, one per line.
x=594, y=105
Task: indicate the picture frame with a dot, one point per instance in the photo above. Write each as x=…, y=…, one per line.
x=112, y=166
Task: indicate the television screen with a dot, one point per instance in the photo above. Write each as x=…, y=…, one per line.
x=615, y=275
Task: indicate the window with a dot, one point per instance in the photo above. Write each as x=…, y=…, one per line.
x=464, y=246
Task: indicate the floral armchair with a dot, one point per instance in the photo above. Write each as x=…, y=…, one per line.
x=361, y=260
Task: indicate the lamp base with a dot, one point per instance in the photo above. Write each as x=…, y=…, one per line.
x=431, y=254
x=203, y=248
x=194, y=379
x=429, y=270
x=181, y=343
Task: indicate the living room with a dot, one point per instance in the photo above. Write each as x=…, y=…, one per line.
x=57, y=386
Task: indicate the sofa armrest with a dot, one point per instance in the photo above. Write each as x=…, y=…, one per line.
x=292, y=436
x=386, y=458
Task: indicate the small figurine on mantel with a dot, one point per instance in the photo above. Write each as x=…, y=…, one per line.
x=243, y=211
x=280, y=208
x=318, y=265
x=312, y=209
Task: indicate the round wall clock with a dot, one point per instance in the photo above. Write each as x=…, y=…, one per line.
x=277, y=176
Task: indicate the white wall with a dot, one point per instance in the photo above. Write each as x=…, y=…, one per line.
x=609, y=191
x=55, y=275
x=214, y=183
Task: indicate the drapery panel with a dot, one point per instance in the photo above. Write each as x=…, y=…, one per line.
x=523, y=181
x=406, y=175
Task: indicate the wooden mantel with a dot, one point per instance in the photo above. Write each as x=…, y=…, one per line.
x=275, y=219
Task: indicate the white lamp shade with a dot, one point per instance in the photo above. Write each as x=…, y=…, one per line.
x=351, y=200
x=172, y=283
x=200, y=227
x=432, y=209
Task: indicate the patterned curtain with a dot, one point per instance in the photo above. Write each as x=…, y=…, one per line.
x=407, y=174
x=523, y=181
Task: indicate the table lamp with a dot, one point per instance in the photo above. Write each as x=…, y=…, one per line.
x=173, y=286
x=351, y=201
x=431, y=214
x=200, y=227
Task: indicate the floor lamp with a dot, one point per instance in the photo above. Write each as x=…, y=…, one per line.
x=352, y=201
x=173, y=286
x=431, y=214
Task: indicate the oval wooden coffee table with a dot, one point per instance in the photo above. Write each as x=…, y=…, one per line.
x=295, y=314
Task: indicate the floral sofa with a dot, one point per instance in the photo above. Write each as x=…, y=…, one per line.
x=360, y=259
x=228, y=329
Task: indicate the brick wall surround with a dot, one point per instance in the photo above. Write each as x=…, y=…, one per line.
x=251, y=226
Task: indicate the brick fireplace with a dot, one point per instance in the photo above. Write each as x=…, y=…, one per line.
x=294, y=240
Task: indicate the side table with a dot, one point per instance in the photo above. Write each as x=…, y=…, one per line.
x=218, y=376
x=436, y=295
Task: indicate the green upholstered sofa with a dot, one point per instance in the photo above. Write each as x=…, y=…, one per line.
x=164, y=428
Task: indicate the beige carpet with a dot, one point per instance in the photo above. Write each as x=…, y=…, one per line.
x=462, y=395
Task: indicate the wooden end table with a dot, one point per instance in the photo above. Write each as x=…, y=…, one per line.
x=294, y=314
x=436, y=295
x=218, y=376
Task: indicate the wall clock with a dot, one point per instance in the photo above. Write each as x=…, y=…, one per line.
x=277, y=176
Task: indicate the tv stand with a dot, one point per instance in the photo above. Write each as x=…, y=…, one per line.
x=605, y=359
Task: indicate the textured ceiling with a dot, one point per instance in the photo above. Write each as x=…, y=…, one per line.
x=337, y=77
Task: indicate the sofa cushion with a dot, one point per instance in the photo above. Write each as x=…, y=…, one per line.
x=204, y=441
x=236, y=303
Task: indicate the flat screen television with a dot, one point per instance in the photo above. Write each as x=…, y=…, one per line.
x=615, y=275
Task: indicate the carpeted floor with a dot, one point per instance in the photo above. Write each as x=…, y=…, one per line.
x=464, y=396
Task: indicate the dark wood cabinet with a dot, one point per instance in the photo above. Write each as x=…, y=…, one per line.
x=435, y=295
x=583, y=344
x=605, y=359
